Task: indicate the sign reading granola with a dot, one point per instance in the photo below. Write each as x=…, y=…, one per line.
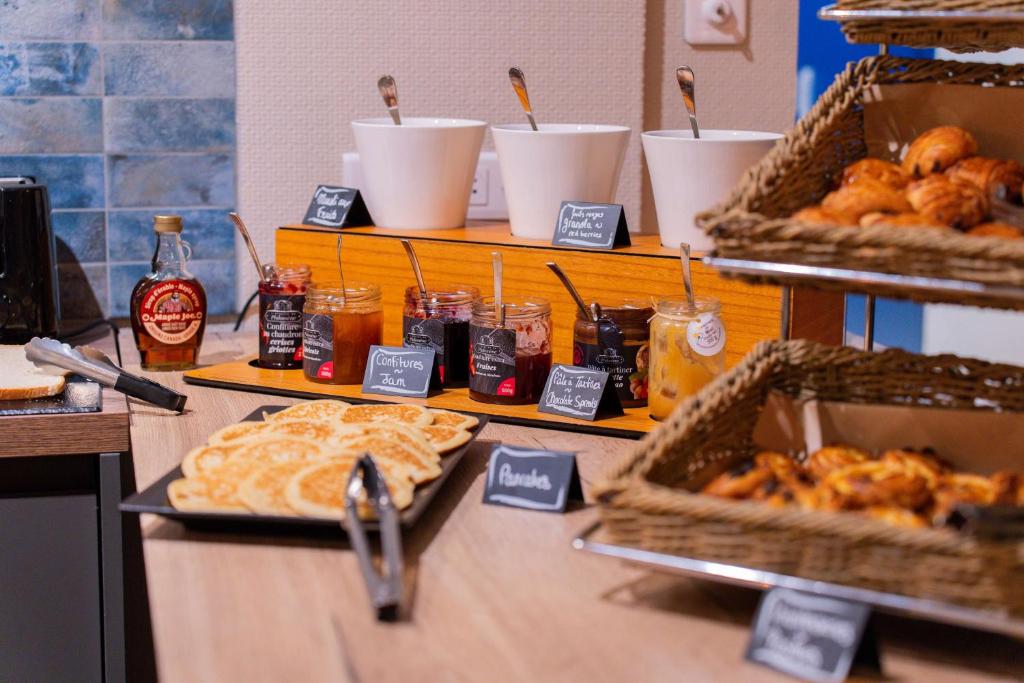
x=591, y=226
x=532, y=479
x=337, y=207
x=397, y=371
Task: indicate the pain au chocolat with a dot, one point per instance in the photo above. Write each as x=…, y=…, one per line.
x=935, y=150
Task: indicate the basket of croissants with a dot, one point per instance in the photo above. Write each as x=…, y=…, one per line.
x=945, y=209
x=888, y=520
x=959, y=31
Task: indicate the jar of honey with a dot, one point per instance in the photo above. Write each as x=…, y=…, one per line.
x=617, y=344
x=282, y=298
x=687, y=351
x=441, y=322
x=338, y=329
x=509, y=363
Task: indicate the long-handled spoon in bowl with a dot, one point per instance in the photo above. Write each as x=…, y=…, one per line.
x=515, y=74
x=684, y=75
x=389, y=91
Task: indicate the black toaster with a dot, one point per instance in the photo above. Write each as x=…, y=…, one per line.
x=29, y=299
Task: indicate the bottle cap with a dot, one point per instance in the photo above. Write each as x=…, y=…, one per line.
x=167, y=223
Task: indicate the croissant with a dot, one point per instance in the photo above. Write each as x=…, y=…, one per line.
x=815, y=215
x=902, y=220
x=1004, y=230
x=944, y=202
x=937, y=149
x=995, y=177
x=883, y=171
x=829, y=458
x=850, y=202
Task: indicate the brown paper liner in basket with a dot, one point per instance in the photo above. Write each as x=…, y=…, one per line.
x=647, y=502
x=754, y=222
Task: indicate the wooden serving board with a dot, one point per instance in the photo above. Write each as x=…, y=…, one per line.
x=243, y=375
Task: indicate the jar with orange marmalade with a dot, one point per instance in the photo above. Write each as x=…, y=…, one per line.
x=338, y=329
x=687, y=351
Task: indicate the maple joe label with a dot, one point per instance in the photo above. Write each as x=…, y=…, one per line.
x=318, y=345
x=706, y=334
x=172, y=311
x=492, y=353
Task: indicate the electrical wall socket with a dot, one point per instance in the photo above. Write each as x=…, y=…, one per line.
x=487, y=202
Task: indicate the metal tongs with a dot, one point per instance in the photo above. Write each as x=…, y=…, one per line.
x=385, y=588
x=53, y=357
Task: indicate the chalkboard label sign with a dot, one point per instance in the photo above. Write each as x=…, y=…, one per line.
x=812, y=637
x=397, y=371
x=337, y=207
x=591, y=226
x=532, y=479
x=579, y=392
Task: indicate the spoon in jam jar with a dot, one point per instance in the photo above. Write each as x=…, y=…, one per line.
x=684, y=257
x=417, y=273
x=499, y=306
x=341, y=273
x=264, y=275
x=594, y=311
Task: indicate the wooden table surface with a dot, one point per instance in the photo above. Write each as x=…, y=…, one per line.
x=498, y=594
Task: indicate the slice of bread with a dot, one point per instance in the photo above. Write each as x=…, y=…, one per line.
x=20, y=379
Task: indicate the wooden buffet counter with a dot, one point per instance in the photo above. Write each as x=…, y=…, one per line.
x=497, y=594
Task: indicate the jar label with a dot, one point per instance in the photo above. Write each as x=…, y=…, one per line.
x=492, y=361
x=281, y=329
x=706, y=334
x=172, y=311
x=449, y=338
x=318, y=346
x=625, y=365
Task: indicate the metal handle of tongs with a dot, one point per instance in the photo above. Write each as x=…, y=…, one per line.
x=385, y=588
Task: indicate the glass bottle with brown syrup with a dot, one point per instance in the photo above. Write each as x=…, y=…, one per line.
x=168, y=306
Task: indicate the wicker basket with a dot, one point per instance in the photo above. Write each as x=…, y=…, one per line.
x=646, y=503
x=753, y=223
x=956, y=34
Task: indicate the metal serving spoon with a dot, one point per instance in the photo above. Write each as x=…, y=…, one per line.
x=684, y=75
x=515, y=74
x=417, y=273
x=684, y=257
x=240, y=224
x=389, y=91
x=573, y=292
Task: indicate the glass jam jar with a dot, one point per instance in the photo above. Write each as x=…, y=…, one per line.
x=441, y=323
x=338, y=329
x=282, y=297
x=509, y=364
x=618, y=345
x=687, y=351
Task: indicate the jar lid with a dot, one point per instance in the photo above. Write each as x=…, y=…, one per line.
x=167, y=223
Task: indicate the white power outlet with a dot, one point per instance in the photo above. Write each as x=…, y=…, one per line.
x=487, y=202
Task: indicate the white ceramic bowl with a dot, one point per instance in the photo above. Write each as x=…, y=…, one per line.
x=690, y=175
x=558, y=163
x=418, y=175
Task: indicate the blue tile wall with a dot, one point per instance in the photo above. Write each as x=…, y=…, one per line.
x=124, y=109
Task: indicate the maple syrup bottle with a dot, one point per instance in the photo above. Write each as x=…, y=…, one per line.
x=168, y=306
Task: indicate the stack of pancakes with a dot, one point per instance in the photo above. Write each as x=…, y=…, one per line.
x=297, y=461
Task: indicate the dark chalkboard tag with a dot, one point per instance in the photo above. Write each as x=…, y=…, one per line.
x=579, y=392
x=813, y=637
x=398, y=371
x=337, y=207
x=532, y=479
x=591, y=226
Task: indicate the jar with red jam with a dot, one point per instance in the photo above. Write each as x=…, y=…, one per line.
x=282, y=298
x=509, y=360
x=441, y=322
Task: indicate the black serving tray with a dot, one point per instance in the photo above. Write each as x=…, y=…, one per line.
x=80, y=395
x=154, y=499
